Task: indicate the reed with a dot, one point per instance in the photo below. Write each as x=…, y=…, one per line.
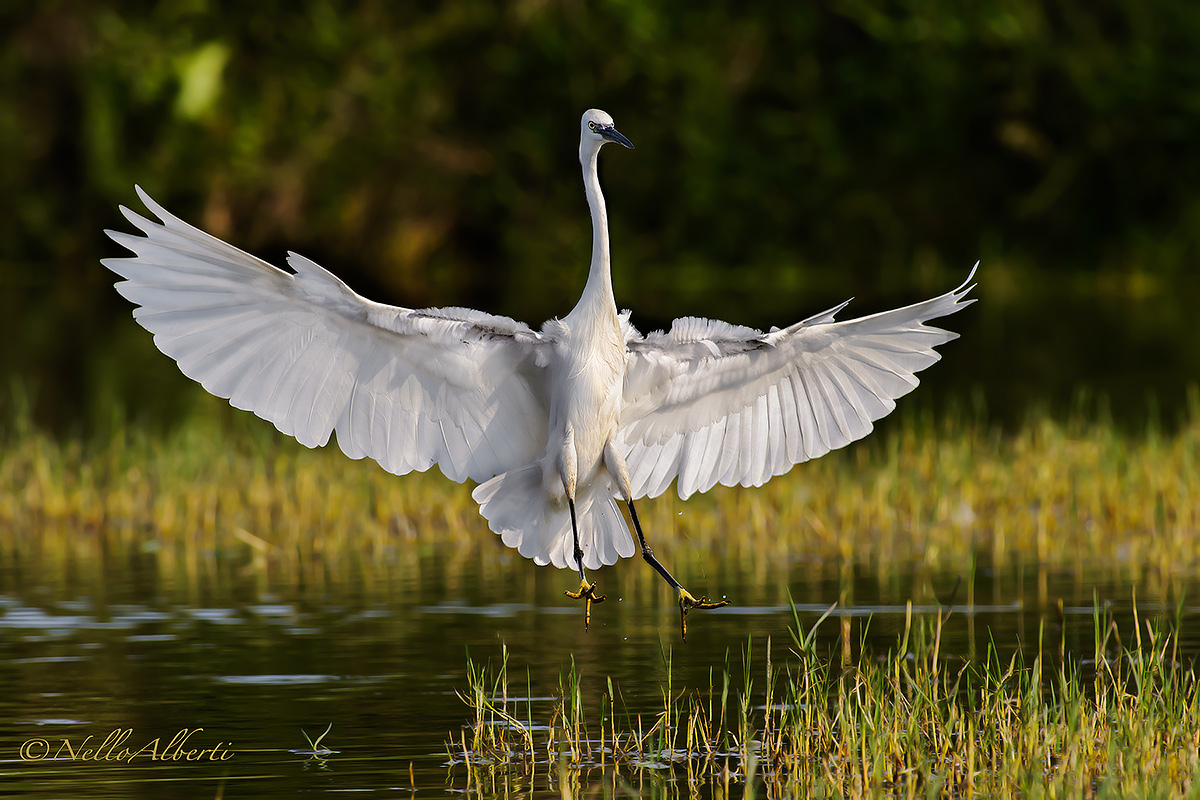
x=910, y=722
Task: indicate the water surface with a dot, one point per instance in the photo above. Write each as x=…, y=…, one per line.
x=246, y=661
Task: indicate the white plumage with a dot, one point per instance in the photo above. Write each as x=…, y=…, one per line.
x=585, y=411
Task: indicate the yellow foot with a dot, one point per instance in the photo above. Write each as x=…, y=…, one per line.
x=587, y=592
x=687, y=603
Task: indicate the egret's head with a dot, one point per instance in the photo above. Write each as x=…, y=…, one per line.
x=596, y=130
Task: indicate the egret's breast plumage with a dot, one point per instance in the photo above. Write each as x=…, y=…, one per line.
x=588, y=389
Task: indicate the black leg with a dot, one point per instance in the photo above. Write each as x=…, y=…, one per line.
x=686, y=601
x=587, y=591
x=575, y=536
x=648, y=554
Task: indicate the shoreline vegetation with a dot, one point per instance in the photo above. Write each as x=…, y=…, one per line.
x=226, y=487
x=910, y=722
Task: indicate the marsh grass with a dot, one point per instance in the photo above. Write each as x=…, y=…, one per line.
x=908, y=722
x=225, y=488
x=314, y=745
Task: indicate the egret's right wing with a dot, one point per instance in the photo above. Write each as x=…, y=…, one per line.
x=710, y=402
x=409, y=388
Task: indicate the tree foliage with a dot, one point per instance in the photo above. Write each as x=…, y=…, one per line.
x=788, y=153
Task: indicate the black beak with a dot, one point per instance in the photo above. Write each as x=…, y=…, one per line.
x=613, y=135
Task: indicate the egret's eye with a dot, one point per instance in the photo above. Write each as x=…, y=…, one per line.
x=592, y=125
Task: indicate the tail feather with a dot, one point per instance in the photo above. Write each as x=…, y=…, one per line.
x=517, y=507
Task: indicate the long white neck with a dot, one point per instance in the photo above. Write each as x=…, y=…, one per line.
x=598, y=292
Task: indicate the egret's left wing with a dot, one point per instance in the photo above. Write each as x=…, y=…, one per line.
x=710, y=402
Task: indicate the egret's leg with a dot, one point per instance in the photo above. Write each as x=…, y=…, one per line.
x=686, y=601
x=587, y=591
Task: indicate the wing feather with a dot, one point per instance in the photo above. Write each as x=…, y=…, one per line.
x=793, y=445
x=777, y=438
x=693, y=457
x=732, y=450
x=760, y=425
x=808, y=427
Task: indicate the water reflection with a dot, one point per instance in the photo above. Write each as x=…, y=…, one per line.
x=250, y=663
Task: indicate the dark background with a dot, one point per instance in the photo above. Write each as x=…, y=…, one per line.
x=788, y=156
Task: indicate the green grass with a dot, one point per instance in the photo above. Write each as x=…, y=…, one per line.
x=912, y=722
x=227, y=486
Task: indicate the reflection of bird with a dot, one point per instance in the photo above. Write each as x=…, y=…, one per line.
x=556, y=425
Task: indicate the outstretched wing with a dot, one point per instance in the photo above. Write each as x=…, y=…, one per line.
x=712, y=403
x=409, y=388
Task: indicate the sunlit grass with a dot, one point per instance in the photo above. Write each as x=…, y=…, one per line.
x=224, y=487
x=912, y=722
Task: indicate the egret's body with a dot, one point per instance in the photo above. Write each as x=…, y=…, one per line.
x=555, y=425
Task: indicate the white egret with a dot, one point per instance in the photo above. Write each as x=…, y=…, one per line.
x=554, y=425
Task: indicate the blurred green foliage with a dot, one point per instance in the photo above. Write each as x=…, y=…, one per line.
x=789, y=155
